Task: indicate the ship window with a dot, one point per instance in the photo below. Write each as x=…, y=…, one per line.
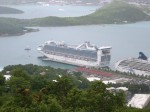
x=105, y=58
x=105, y=51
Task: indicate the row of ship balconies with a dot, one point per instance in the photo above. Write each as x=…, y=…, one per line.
x=71, y=56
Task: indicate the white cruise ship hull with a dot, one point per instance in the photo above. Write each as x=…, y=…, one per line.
x=70, y=61
x=81, y=55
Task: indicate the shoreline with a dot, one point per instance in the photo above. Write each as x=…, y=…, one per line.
x=30, y=29
x=26, y=30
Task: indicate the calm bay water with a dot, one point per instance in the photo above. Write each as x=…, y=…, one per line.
x=37, y=11
x=126, y=41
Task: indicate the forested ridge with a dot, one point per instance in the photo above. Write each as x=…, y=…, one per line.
x=33, y=88
x=115, y=13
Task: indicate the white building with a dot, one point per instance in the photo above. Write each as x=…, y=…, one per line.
x=139, y=101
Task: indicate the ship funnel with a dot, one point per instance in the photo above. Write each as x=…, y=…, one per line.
x=142, y=56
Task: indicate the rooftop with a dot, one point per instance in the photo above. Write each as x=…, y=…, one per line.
x=139, y=100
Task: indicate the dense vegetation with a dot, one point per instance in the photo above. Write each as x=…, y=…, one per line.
x=34, y=88
x=134, y=88
x=9, y=27
x=7, y=10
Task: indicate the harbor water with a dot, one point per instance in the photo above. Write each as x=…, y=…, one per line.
x=126, y=41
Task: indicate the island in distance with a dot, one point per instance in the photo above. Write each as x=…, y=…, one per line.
x=8, y=10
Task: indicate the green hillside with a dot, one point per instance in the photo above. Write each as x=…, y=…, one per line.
x=7, y=10
x=116, y=12
x=11, y=26
x=119, y=12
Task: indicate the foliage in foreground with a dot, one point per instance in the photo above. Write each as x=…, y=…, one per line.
x=34, y=88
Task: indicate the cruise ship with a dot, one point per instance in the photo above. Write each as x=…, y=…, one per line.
x=85, y=54
x=138, y=66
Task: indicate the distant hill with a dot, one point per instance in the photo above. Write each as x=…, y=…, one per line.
x=7, y=10
x=119, y=12
x=10, y=30
x=116, y=12
x=13, y=27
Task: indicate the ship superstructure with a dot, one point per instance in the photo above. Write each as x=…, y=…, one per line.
x=81, y=55
x=138, y=66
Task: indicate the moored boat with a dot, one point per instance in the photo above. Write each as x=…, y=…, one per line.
x=85, y=54
x=138, y=66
